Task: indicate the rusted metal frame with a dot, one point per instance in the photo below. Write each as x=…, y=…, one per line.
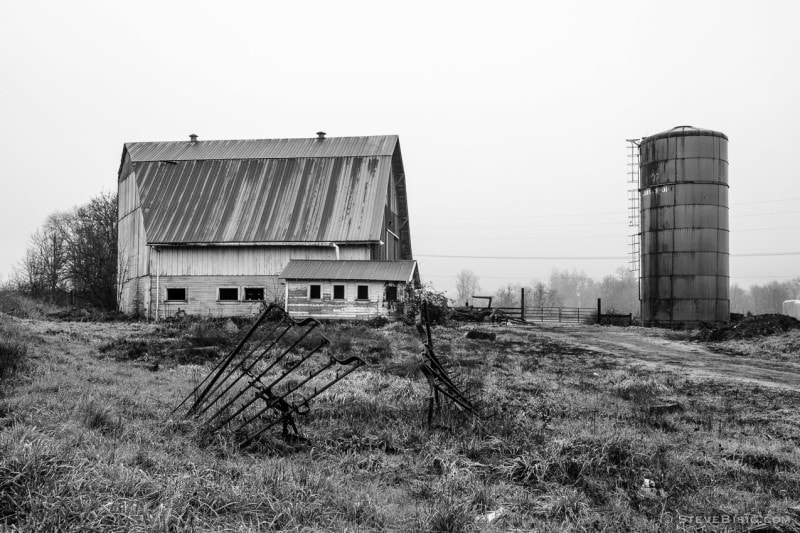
x=437, y=376
x=277, y=399
x=448, y=388
x=440, y=372
x=451, y=392
x=434, y=395
x=223, y=364
x=239, y=394
x=246, y=371
x=254, y=384
x=295, y=408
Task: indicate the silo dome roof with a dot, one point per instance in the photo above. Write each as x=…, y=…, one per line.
x=685, y=131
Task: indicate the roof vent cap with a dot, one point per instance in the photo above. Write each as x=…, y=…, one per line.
x=320, y=135
x=192, y=138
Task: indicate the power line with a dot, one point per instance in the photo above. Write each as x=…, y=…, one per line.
x=525, y=225
x=562, y=237
x=579, y=258
x=520, y=216
x=768, y=201
x=451, y=276
x=575, y=224
x=766, y=229
x=583, y=213
x=616, y=258
x=768, y=254
x=501, y=238
x=764, y=214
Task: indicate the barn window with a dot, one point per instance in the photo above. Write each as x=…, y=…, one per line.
x=229, y=294
x=363, y=292
x=338, y=292
x=254, y=294
x=391, y=293
x=314, y=292
x=176, y=294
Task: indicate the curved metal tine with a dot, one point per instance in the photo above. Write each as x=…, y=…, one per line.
x=287, y=393
x=294, y=408
x=258, y=378
x=291, y=324
x=246, y=372
x=441, y=372
x=463, y=404
x=243, y=390
x=454, y=390
x=220, y=367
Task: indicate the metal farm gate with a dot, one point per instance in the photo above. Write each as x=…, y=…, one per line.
x=572, y=315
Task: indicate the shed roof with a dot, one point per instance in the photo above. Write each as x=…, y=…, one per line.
x=310, y=269
x=263, y=191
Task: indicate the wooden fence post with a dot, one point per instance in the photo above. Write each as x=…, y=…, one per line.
x=522, y=302
x=599, y=316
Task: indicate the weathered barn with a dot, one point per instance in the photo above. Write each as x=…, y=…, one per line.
x=347, y=289
x=207, y=226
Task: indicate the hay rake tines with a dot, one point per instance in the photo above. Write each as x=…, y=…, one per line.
x=438, y=377
x=278, y=368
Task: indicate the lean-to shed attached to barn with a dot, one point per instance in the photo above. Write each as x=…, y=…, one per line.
x=207, y=226
x=347, y=289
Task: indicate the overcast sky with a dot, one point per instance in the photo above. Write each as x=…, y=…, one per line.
x=512, y=116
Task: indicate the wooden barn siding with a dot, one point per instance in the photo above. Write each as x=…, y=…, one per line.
x=242, y=260
x=299, y=306
x=203, y=270
x=202, y=294
x=132, y=257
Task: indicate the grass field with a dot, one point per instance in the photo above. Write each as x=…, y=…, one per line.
x=572, y=440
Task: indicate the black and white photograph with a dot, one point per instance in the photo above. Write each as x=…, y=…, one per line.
x=430, y=267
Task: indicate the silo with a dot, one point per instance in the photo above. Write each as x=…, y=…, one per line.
x=683, y=188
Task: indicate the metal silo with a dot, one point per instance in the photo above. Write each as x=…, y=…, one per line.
x=683, y=188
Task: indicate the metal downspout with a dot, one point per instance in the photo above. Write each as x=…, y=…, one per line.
x=158, y=278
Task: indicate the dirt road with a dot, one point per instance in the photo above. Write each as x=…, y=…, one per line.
x=651, y=348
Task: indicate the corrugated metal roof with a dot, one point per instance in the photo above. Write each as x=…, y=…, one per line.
x=378, y=145
x=349, y=270
x=337, y=199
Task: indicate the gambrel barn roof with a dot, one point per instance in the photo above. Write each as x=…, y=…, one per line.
x=267, y=190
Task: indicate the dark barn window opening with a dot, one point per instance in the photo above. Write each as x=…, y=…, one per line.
x=254, y=294
x=228, y=294
x=338, y=292
x=391, y=293
x=176, y=294
x=314, y=292
x=363, y=292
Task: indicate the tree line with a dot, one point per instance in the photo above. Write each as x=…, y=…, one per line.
x=764, y=299
x=72, y=258
x=619, y=292
x=565, y=288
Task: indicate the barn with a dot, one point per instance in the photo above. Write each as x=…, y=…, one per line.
x=207, y=227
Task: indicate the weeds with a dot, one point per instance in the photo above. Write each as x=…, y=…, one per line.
x=566, y=445
x=13, y=351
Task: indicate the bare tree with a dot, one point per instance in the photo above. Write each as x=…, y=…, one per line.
x=44, y=270
x=74, y=253
x=769, y=298
x=466, y=286
x=740, y=299
x=507, y=297
x=92, y=237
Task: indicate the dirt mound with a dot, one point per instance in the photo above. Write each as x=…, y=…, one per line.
x=751, y=326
